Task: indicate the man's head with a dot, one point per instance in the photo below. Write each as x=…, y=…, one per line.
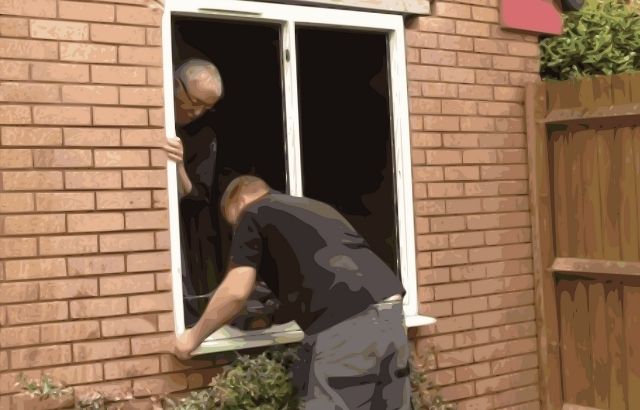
x=241, y=192
x=198, y=87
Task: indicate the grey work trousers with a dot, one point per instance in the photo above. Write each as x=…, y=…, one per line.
x=360, y=363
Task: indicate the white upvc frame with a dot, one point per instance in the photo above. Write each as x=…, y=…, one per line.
x=288, y=16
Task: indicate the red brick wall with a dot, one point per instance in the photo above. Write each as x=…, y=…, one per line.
x=472, y=209
x=84, y=281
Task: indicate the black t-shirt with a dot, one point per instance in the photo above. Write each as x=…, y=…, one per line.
x=313, y=260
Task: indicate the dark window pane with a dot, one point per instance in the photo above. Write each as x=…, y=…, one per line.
x=346, y=134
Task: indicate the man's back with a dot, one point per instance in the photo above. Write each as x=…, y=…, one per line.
x=320, y=268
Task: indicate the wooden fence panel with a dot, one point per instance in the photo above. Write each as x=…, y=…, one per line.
x=632, y=334
x=599, y=345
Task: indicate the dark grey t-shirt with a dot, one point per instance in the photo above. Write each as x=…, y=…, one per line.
x=312, y=259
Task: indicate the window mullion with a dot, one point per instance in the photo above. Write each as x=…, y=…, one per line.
x=292, y=119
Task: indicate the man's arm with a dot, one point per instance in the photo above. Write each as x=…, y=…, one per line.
x=175, y=152
x=227, y=301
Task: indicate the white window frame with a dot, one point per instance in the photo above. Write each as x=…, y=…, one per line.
x=288, y=16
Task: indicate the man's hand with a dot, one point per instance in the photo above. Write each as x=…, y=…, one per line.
x=184, y=345
x=174, y=149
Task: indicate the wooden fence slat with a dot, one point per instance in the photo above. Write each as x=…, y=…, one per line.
x=617, y=351
x=592, y=234
x=627, y=203
x=631, y=305
x=599, y=345
x=577, y=368
x=609, y=172
x=560, y=196
x=579, y=265
x=575, y=207
x=636, y=162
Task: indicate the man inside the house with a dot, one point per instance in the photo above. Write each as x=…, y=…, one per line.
x=198, y=88
x=345, y=298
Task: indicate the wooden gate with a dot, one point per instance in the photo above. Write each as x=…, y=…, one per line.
x=584, y=156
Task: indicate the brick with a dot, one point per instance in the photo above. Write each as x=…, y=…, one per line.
x=511, y=299
x=121, y=158
x=516, y=396
x=463, y=206
x=452, y=291
x=98, y=307
x=158, y=158
x=138, y=15
x=447, y=224
x=141, y=96
x=111, y=33
x=505, y=204
x=455, y=358
x=15, y=114
x=431, y=242
x=421, y=40
x=154, y=37
x=147, y=220
x=92, y=137
x=160, y=198
x=436, y=24
x=472, y=28
x=162, y=343
x=504, y=172
x=129, y=368
x=145, y=179
x=504, y=349
x=422, y=73
x=431, y=276
x=425, y=139
x=70, y=375
x=62, y=158
x=156, y=117
x=442, y=90
x=461, y=173
x=124, y=200
x=64, y=201
x=59, y=30
x=441, y=123
x=503, y=140
x=20, y=336
x=16, y=202
x=62, y=115
x=431, y=207
x=459, y=107
x=476, y=124
x=119, y=116
x=513, y=331
x=427, y=173
x=472, y=338
x=68, y=289
x=59, y=72
x=89, y=53
x=159, y=384
x=130, y=325
x=37, y=312
x=29, y=92
x=17, y=247
x=500, y=252
x=154, y=76
x=508, y=63
x=458, y=43
x=518, y=48
x=28, y=49
x=107, y=74
x=438, y=57
x=148, y=261
x=68, y=245
x=515, y=156
x=95, y=222
x=69, y=331
x=474, y=60
x=510, y=124
x=128, y=242
x=124, y=284
x=424, y=106
x=143, y=137
x=445, y=189
x=18, y=292
x=89, y=94
x=507, y=236
x=500, y=220
x=500, y=317
x=506, y=382
x=111, y=391
x=76, y=10
x=492, y=77
x=484, y=14
x=140, y=55
x=479, y=156
x=35, y=268
x=163, y=281
x=32, y=8
x=95, y=265
x=165, y=322
x=475, y=92
x=442, y=157
x=162, y=240
x=457, y=391
x=500, y=109
x=472, y=372
x=92, y=180
x=14, y=70
x=453, y=10
x=33, y=224
x=100, y=350
x=15, y=158
x=470, y=305
x=40, y=356
x=514, y=364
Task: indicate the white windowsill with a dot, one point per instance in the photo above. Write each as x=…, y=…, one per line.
x=290, y=334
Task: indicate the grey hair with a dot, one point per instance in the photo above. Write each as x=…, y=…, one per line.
x=196, y=65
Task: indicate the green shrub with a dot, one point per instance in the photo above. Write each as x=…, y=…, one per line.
x=601, y=38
